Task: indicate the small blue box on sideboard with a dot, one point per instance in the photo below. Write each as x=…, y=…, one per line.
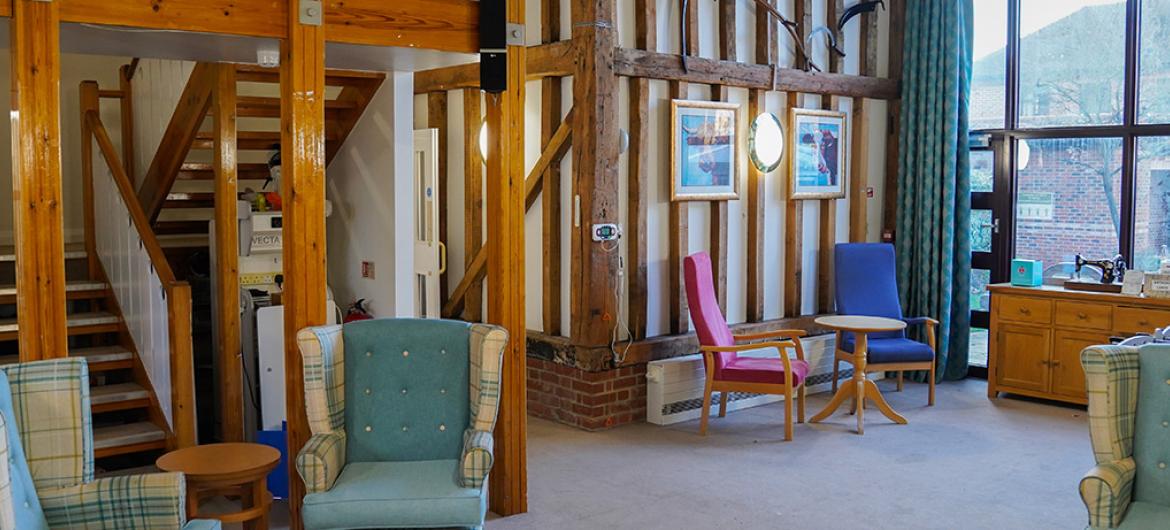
x=1027, y=272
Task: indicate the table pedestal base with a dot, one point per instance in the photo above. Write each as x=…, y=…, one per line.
x=861, y=390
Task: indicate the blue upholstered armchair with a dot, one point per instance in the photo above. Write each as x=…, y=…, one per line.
x=46, y=440
x=866, y=283
x=1129, y=423
x=401, y=412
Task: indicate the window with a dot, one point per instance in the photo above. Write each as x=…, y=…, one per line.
x=1074, y=79
x=989, y=51
x=1067, y=200
x=1085, y=131
x=1154, y=90
x=1152, y=211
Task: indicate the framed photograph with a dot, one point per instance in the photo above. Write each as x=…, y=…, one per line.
x=816, y=154
x=704, y=151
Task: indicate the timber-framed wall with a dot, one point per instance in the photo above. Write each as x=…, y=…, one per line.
x=445, y=25
x=619, y=81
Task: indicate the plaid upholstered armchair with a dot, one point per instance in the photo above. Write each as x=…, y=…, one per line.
x=401, y=413
x=48, y=481
x=1129, y=423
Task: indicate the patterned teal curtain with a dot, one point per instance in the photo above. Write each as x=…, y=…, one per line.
x=934, y=177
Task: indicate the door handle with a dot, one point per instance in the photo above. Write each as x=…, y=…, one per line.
x=993, y=225
x=442, y=258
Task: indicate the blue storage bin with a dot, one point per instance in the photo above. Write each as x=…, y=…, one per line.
x=278, y=478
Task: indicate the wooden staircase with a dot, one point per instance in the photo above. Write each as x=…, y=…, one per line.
x=182, y=221
x=126, y=414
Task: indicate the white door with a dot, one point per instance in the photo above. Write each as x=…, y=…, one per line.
x=430, y=256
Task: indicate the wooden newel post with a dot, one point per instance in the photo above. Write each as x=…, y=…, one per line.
x=302, y=105
x=505, y=276
x=36, y=184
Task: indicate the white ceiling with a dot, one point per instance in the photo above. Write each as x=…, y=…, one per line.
x=132, y=42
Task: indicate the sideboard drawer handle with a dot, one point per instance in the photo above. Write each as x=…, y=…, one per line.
x=1082, y=316
x=1144, y=323
x=1025, y=311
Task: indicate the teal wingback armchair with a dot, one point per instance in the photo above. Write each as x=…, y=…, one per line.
x=401, y=413
x=47, y=440
x=1129, y=422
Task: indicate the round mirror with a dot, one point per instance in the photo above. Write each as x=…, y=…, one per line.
x=766, y=142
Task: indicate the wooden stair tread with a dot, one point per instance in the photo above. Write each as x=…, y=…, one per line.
x=94, y=318
x=204, y=171
x=184, y=240
x=72, y=251
x=103, y=354
x=70, y=287
x=103, y=394
x=126, y=434
x=96, y=355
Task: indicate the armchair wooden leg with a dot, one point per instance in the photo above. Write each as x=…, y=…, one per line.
x=899, y=380
x=930, y=400
x=800, y=405
x=788, y=414
x=724, y=396
x=706, y=411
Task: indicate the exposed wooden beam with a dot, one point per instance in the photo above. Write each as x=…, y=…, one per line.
x=678, y=228
x=476, y=270
x=302, y=84
x=177, y=139
x=666, y=66
x=828, y=224
x=36, y=182
x=559, y=143
x=595, y=172
x=894, y=118
x=448, y=25
x=472, y=200
x=437, y=119
x=794, y=211
x=553, y=59
x=859, y=155
x=765, y=53
x=227, y=288
x=550, y=123
x=505, y=274
x=717, y=229
x=639, y=177
x=599, y=358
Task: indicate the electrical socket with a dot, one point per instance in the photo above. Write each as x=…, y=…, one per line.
x=606, y=232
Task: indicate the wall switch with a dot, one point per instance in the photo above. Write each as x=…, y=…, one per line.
x=368, y=269
x=606, y=232
x=869, y=192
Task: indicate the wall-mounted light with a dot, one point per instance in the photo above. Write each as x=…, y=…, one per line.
x=766, y=142
x=483, y=139
x=1023, y=155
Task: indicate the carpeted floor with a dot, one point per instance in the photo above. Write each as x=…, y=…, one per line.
x=966, y=463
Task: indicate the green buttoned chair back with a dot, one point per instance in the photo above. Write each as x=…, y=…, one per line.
x=406, y=392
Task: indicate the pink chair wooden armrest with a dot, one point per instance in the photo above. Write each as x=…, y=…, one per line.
x=777, y=345
x=777, y=333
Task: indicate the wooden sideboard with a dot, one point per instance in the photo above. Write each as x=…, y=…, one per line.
x=1037, y=334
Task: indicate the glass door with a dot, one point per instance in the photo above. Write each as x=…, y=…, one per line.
x=989, y=227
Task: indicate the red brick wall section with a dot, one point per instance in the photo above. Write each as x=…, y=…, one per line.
x=587, y=400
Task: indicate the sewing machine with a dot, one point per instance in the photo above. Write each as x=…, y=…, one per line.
x=1112, y=273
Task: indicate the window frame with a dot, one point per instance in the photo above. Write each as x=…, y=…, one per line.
x=1128, y=131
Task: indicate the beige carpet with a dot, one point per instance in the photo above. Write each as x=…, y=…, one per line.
x=966, y=463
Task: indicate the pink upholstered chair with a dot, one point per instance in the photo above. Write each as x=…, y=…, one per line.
x=728, y=372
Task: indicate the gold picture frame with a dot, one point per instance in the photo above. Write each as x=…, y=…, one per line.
x=706, y=157
x=817, y=154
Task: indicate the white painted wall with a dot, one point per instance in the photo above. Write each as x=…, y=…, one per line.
x=657, y=227
x=74, y=69
x=370, y=185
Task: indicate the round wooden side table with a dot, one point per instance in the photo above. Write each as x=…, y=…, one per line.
x=226, y=469
x=861, y=388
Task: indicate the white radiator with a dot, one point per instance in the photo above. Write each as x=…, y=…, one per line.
x=674, y=390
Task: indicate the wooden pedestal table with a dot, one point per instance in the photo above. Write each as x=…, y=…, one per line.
x=226, y=469
x=862, y=388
